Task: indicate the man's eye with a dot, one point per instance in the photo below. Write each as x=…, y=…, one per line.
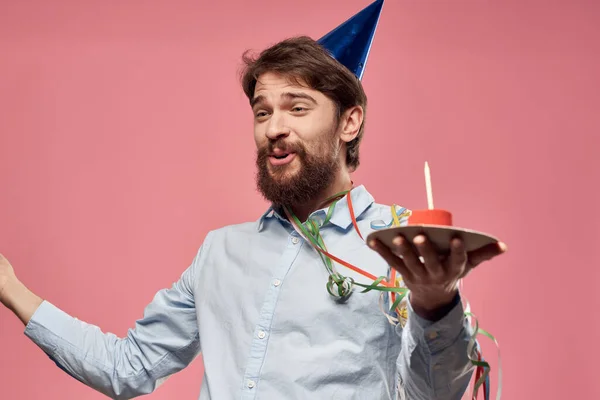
x=299, y=109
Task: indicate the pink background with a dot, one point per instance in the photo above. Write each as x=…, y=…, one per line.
x=124, y=138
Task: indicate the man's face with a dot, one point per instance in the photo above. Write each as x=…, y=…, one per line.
x=298, y=148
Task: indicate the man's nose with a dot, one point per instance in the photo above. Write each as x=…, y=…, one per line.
x=276, y=128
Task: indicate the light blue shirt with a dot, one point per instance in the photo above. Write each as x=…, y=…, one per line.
x=254, y=303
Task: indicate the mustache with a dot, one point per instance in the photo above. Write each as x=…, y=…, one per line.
x=282, y=146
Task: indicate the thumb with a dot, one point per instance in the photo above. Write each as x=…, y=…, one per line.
x=486, y=253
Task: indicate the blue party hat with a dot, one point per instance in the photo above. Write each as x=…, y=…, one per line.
x=350, y=42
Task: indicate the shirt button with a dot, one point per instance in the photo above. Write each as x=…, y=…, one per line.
x=251, y=384
x=295, y=240
x=261, y=335
x=276, y=282
x=433, y=335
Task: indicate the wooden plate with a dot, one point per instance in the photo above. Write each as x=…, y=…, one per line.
x=440, y=235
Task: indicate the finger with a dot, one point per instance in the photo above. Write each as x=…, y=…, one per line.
x=457, y=260
x=486, y=253
x=410, y=257
x=409, y=254
x=427, y=250
x=393, y=260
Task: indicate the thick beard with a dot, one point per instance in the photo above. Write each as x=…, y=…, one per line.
x=311, y=180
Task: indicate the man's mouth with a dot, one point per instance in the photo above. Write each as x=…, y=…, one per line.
x=281, y=157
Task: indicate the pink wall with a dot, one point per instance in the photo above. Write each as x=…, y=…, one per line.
x=124, y=138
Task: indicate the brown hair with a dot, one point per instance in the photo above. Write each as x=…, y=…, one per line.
x=302, y=58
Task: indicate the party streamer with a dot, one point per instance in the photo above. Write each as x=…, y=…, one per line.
x=342, y=286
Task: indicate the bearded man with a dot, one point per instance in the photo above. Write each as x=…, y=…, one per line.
x=254, y=302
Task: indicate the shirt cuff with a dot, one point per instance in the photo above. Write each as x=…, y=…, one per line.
x=441, y=334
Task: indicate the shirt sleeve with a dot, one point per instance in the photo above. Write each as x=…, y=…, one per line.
x=433, y=361
x=162, y=342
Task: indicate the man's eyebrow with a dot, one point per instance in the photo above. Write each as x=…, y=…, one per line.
x=256, y=100
x=287, y=96
x=298, y=95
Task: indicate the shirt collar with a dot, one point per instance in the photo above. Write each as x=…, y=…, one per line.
x=361, y=200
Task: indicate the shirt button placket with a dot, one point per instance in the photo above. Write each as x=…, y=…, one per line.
x=262, y=334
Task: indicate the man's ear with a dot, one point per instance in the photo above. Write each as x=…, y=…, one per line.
x=350, y=123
